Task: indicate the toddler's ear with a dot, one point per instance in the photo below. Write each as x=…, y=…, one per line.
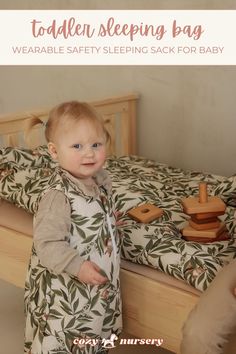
x=52, y=150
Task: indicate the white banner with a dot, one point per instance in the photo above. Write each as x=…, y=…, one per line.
x=118, y=37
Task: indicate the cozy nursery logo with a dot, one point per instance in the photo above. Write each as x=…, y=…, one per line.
x=112, y=342
x=117, y=37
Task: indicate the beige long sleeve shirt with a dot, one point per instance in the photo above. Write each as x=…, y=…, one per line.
x=51, y=235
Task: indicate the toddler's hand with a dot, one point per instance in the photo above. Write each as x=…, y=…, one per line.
x=89, y=273
x=118, y=215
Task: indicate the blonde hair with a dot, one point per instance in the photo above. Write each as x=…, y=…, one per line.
x=72, y=111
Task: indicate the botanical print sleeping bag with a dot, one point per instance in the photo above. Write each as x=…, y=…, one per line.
x=59, y=308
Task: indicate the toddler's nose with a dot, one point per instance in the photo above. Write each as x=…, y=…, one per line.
x=89, y=151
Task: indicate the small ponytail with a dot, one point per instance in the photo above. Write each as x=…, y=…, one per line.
x=31, y=123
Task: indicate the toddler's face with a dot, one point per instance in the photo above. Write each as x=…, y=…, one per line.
x=80, y=148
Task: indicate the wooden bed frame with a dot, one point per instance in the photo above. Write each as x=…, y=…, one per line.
x=152, y=309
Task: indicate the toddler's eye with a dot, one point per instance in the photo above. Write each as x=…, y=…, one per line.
x=77, y=146
x=96, y=145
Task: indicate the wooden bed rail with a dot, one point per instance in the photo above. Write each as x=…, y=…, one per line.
x=118, y=112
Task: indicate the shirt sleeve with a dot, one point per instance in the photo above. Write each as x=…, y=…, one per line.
x=51, y=235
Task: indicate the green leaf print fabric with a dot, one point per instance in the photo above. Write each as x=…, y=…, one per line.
x=59, y=308
x=159, y=244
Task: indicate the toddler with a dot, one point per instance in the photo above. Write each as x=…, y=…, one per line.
x=72, y=296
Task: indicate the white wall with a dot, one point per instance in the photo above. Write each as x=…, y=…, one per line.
x=186, y=114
